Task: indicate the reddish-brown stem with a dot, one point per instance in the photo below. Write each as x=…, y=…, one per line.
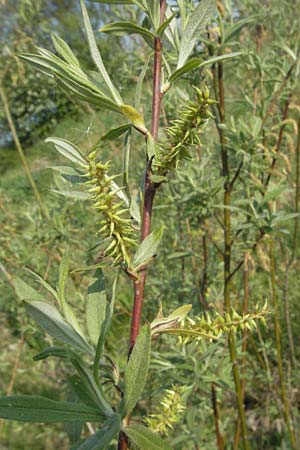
x=149, y=186
x=149, y=193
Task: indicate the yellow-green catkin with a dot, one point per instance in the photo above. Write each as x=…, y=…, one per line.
x=170, y=411
x=115, y=224
x=183, y=133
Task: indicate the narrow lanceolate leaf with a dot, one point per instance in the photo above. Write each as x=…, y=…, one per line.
x=136, y=118
x=97, y=56
x=197, y=22
x=148, y=248
x=68, y=150
x=129, y=28
x=101, y=439
x=31, y=408
x=144, y=438
x=96, y=308
x=64, y=50
x=58, y=352
x=63, y=275
x=197, y=63
x=136, y=371
x=51, y=321
x=153, y=9
x=114, y=133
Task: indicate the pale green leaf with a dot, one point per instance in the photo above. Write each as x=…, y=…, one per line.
x=64, y=50
x=196, y=24
x=96, y=308
x=68, y=150
x=148, y=247
x=24, y=291
x=145, y=439
x=97, y=56
x=51, y=321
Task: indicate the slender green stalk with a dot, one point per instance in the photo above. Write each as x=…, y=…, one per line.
x=21, y=152
x=219, y=83
x=292, y=258
x=277, y=329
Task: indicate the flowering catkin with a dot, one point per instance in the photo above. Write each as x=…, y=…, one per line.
x=183, y=133
x=115, y=225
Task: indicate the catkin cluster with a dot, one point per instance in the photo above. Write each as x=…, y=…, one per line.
x=183, y=133
x=170, y=411
x=115, y=224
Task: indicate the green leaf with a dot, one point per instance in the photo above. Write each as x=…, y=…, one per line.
x=144, y=438
x=101, y=439
x=63, y=275
x=51, y=321
x=59, y=352
x=234, y=29
x=68, y=150
x=64, y=50
x=97, y=56
x=197, y=22
x=96, y=308
x=105, y=327
x=198, y=63
x=136, y=371
x=129, y=28
x=148, y=247
x=31, y=408
x=160, y=31
x=126, y=159
x=83, y=392
x=95, y=390
x=153, y=9
x=116, y=132
x=26, y=292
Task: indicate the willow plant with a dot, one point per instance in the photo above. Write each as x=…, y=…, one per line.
x=124, y=227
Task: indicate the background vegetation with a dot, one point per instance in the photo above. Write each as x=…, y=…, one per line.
x=255, y=134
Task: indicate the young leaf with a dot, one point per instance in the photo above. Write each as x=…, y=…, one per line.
x=197, y=22
x=31, y=408
x=68, y=150
x=103, y=437
x=114, y=133
x=51, y=321
x=129, y=28
x=96, y=308
x=198, y=63
x=64, y=50
x=136, y=118
x=144, y=438
x=136, y=371
x=148, y=247
x=97, y=56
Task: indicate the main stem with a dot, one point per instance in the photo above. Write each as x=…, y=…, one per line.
x=149, y=194
x=21, y=151
x=149, y=187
